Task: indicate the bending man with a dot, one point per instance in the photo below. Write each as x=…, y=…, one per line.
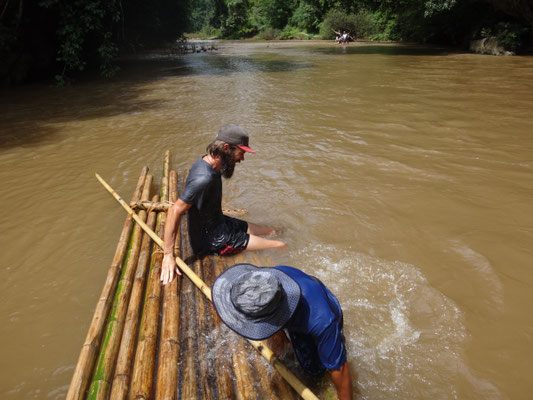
x=210, y=231
x=257, y=302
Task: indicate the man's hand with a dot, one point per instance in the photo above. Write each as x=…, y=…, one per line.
x=343, y=381
x=167, y=269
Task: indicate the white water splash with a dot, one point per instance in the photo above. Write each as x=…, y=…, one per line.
x=405, y=339
x=483, y=275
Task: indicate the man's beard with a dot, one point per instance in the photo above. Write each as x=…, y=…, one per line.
x=228, y=165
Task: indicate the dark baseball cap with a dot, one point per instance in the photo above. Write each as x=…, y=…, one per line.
x=236, y=135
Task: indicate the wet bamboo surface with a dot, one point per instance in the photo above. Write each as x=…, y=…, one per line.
x=166, y=342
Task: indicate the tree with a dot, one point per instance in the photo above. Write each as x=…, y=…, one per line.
x=68, y=36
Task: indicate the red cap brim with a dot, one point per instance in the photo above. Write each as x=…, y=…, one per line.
x=246, y=149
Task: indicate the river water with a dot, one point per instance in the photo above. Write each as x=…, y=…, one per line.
x=401, y=176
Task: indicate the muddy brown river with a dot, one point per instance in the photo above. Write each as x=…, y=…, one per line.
x=401, y=176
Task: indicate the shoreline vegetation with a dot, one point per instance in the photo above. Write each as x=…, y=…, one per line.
x=61, y=39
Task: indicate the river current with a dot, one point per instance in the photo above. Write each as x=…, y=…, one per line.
x=401, y=176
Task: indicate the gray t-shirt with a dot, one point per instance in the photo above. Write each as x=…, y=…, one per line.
x=203, y=189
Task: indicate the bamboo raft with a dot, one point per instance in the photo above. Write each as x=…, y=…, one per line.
x=149, y=341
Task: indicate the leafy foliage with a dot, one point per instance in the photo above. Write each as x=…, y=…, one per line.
x=83, y=22
x=307, y=17
x=65, y=37
x=292, y=32
x=508, y=35
x=269, y=34
x=237, y=23
x=363, y=24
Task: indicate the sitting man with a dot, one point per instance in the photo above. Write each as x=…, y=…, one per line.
x=257, y=302
x=210, y=231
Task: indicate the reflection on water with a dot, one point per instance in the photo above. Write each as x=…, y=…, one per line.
x=223, y=65
x=386, y=49
x=400, y=176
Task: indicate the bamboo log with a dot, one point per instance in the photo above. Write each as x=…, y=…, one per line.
x=164, y=179
x=188, y=351
x=280, y=386
x=240, y=359
x=189, y=388
x=89, y=351
x=103, y=375
x=144, y=362
x=167, y=368
x=260, y=346
x=223, y=365
x=244, y=384
x=123, y=369
x=142, y=382
x=243, y=361
x=207, y=377
x=164, y=206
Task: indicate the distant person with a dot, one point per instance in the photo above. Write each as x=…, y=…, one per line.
x=337, y=36
x=258, y=302
x=345, y=37
x=210, y=231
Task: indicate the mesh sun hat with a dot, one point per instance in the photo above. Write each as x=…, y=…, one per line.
x=255, y=302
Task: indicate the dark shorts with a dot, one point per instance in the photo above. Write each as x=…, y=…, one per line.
x=307, y=353
x=235, y=238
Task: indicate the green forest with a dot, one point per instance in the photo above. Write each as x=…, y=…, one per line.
x=44, y=39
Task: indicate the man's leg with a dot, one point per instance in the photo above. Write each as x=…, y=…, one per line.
x=257, y=230
x=258, y=243
x=242, y=236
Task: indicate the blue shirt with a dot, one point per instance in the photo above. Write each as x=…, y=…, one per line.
x=318, y=315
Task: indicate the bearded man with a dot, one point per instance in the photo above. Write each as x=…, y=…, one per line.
x=210, y=231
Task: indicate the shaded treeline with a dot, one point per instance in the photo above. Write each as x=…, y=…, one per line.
x=47, y=38
x=453, y=22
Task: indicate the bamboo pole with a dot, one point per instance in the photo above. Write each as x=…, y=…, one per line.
x=123, y=369
x=89, y=351
x=246, y=386
x=189, y=371
x=223, y=366
x=164, y=179
x=280, y=386
x=167, y=368
x=164, y=206
x=260, y=346
x=142, y=382
x=207, y=372
x=144, y=362
x=103, y=374
x=188, y=351
x=245, y=383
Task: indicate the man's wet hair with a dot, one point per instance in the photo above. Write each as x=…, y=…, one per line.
x=216, y=148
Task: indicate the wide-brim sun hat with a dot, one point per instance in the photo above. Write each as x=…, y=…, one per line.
x=255, y=302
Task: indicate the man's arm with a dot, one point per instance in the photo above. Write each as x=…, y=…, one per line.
x=171, y=229
x=343, y=382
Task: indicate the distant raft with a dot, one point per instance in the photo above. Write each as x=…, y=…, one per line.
x=148, y=341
